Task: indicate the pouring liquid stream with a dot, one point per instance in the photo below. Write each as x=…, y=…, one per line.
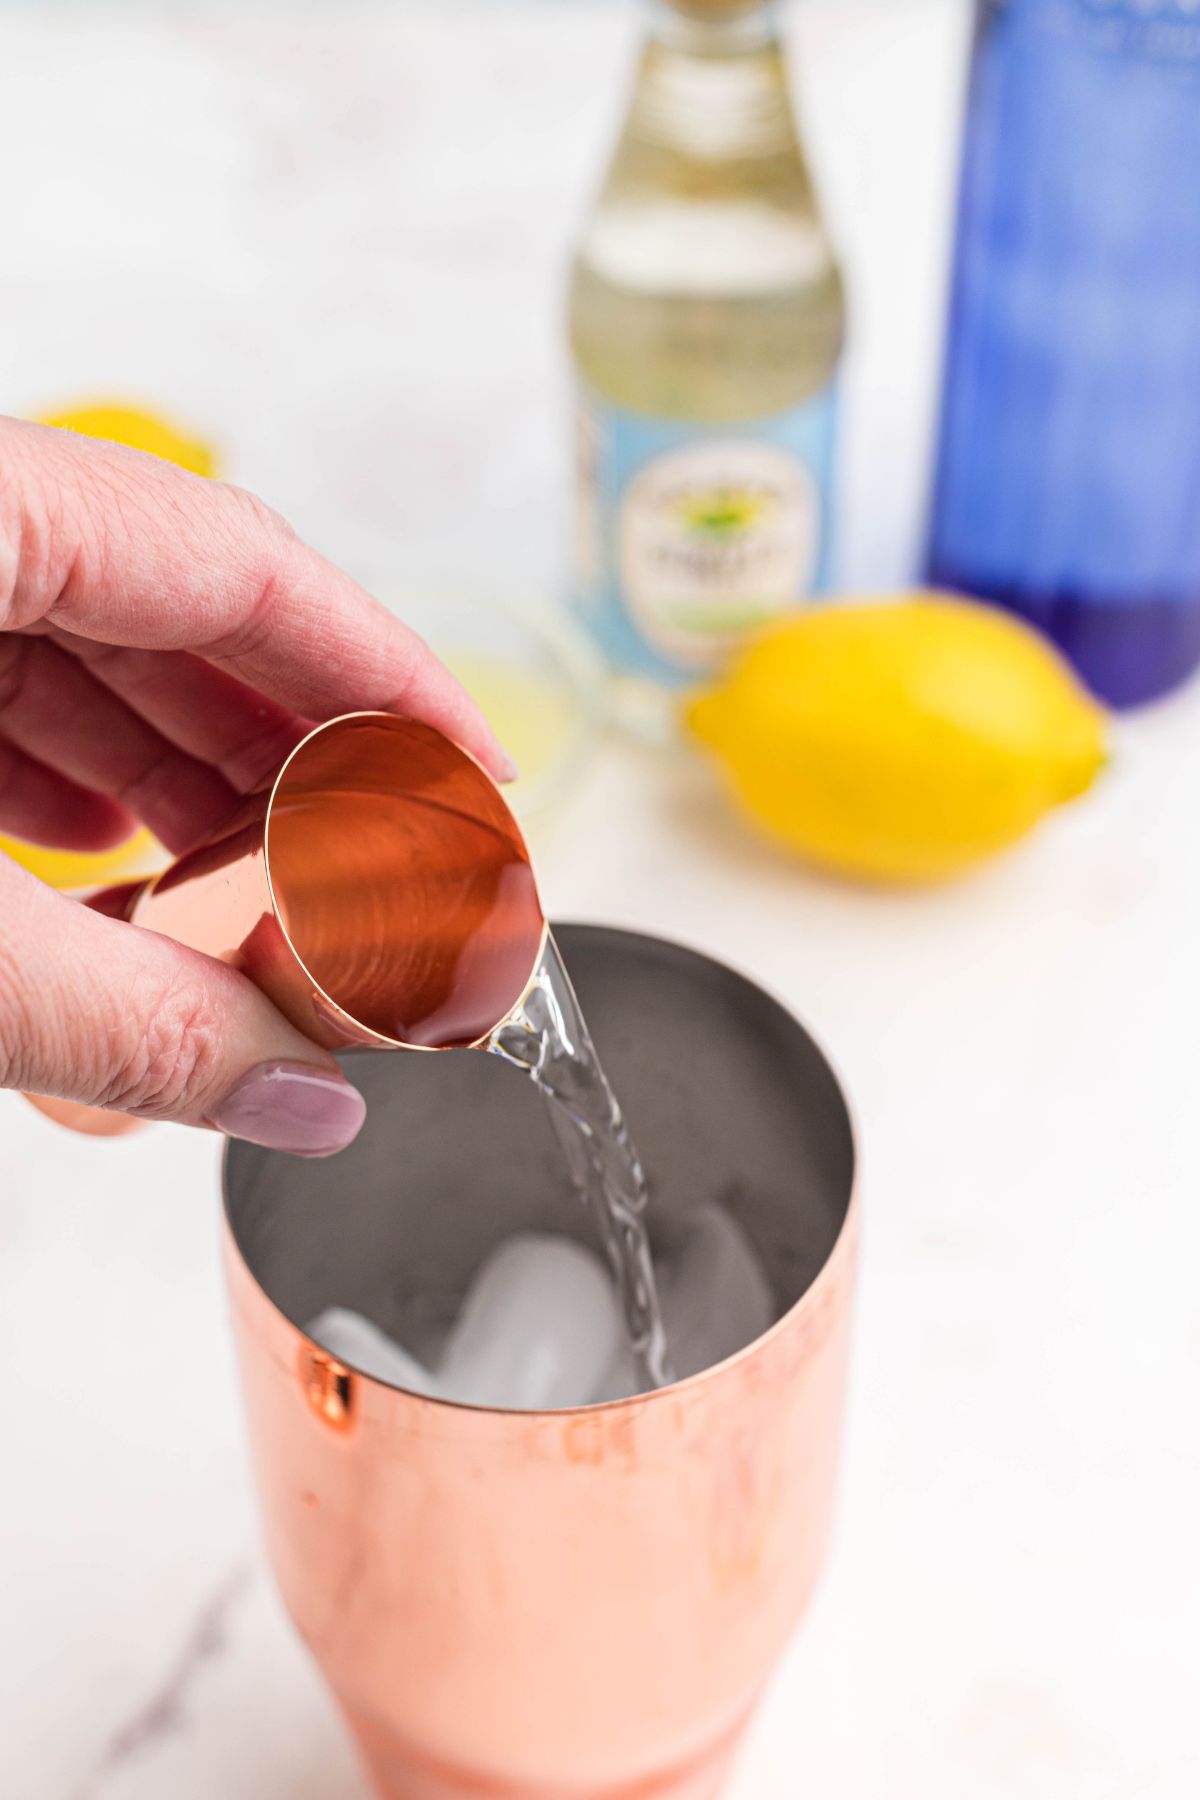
x=548, y=1040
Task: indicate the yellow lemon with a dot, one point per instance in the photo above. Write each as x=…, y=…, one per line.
x=140, y=430
x=141, y=854
x=901, y=741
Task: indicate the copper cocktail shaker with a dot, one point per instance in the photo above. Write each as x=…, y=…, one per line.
x=572, y=1605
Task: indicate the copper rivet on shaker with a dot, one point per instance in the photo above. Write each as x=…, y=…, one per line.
x=328, y=1386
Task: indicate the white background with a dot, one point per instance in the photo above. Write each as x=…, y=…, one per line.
x=337, y=250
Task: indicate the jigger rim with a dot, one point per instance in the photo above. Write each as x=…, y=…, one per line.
x=790, y=1320
x=376, y=1038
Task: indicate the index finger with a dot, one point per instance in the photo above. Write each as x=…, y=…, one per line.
x=119, y=547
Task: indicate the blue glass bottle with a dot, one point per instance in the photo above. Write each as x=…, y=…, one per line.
x=1067, y=484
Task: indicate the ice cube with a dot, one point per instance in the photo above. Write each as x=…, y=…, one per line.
x=620, y=1381
x=361, y=1344
x=717, y=1297
x=714, y=1297
x=538, y=1328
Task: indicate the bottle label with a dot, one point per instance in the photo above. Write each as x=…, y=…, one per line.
x=689, y=538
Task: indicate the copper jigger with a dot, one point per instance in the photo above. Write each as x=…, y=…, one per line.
x=379, y=891
x=572, y=1605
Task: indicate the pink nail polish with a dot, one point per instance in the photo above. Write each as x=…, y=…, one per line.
x=292, y=1106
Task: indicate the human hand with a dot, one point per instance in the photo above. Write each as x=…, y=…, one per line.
x=164, y=642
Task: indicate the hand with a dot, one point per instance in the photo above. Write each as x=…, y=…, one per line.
x=164, y=642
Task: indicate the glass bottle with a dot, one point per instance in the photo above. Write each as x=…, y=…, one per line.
x=1068, y=474
x=706, y=321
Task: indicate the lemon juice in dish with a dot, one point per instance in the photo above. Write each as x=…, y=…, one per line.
x=533, y=713
x=706, y=322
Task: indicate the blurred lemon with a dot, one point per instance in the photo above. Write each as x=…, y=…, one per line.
x=140, y=430
x=901, y=741
x=140, y=854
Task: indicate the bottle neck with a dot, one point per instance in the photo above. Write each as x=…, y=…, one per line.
x=698, y=29
x=711, y=89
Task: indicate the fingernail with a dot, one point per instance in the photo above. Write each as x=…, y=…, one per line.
x=508, y=768
x=290, y=1106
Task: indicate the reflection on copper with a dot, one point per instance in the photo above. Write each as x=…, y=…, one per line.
x=402, y=882
x=328, y=1387
x=92, y=1121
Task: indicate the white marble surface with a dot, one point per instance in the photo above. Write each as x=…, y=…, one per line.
x=336, y=250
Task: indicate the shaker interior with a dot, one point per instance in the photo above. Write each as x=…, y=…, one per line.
x=727, y=1098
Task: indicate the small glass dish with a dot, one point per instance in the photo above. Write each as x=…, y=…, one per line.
x=537, y=681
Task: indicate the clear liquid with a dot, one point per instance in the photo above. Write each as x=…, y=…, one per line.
x=548, y=1040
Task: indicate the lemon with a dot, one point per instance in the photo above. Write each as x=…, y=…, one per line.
x=71, y=869
x=901, y=741
x=140, y=854
x=140, y=430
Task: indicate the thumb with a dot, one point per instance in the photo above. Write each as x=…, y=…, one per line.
x=107, y=1014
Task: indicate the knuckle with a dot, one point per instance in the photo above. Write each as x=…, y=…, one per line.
x=166, y=1055
x=28, y=1029
x=12, y=1038
x=263, y=545
x=257, y=517
x=37, y=524
x=11, y=520
x=151, y=787
x=15, y=656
